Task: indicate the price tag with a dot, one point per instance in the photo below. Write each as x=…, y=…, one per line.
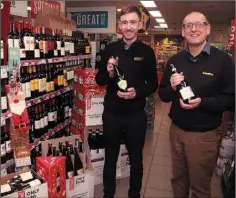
x=24, y=161
x=4, y=72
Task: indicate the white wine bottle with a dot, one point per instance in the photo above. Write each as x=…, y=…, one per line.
x=185, y=91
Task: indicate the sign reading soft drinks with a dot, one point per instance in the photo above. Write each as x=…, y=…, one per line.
x=91, y=19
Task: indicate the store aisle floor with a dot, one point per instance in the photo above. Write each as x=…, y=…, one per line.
x=157, y=162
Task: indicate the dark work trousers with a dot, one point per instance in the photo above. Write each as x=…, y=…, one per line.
x=134, y=126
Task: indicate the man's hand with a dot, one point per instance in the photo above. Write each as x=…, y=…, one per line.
x=130, y=94
x=192, y=104
x=176, y=79
x=110, y=67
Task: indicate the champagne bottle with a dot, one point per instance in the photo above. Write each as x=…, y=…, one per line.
x=120, y=78
x=78, y=165
x=185, y=91
x=49, y=149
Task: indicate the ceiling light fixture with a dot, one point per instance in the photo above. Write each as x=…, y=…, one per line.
x=149, y=4
x=164, y=25
x=160, y=20
x=155, y=13
x=118, y=9
x=28, y=8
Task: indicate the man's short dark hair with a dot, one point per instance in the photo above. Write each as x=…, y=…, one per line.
x=130, y=9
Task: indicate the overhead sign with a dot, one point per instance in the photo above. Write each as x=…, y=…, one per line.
x=37, y=6
x=19, y=8
x=91, y=19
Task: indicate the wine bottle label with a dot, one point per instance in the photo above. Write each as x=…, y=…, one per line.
x=22, y=53
x=3, y=149
x=32, y=85
x=51, y=116
x=27, y=90
x=36, y=84
x=44, y=84
x=23, y=88
x=3, y=102
x=26, y=176
x=10, y=43
x=80, y=171
x=58, y=45
x=45, y=121
x=37, y=124
x=34, y=183
x=5, y=188
x=41, y=45
x=41, y=85
x=16, y=43
x=63, y=51
x=67, y=46
x=186, y=92
x=122, y=84
x=87, y=49
x=52, y=86
x=70, y=174
x=8, y=146
x=27, y=43
x=59, y=80
x=42, y=123
x=55, y=53
x=45, y=47
x=2, y=50
x=36, y=53
x=31, y=39
x=48, y=86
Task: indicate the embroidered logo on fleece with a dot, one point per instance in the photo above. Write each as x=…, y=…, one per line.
x=138, y=58
x=207, y=74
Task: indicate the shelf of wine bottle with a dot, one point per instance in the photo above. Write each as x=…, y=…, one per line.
x=52, y=60
x=47, y=96
x=50, y=133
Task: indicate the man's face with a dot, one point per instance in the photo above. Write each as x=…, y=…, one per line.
x=195, y=29
x=129, y=25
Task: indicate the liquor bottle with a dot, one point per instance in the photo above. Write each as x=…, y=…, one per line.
x=40, y=80
x=69, y=165
x=63, y=53
x=185, y=91
x=4, y=103
x=72, y=45
x=55, y=112
x=31, y=42
x=21, y=41
x=26, y=81
x=60, y=147
x=16, y=41
x=120, y=78
x=50, y=43
x=32, y=82
x=101, y=142
x=54, y=40
x=58, y=41
x=45, y=116
x=10, y=38
x=31, y=114
x=36, y=43
x=2, y=52
x=37, y=123
x=45, y=44
x=52, y=86
x=36, y=82
x=41, y=115
x=50, y=153
x=26, y=39
x=90, y=138
x=44, y=77
x=3, y=148
x=78, y=165
x=48, y=80
x=54, y=150
x=58, y=153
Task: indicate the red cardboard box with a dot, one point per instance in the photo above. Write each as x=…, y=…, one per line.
x=52, y=170
x=85, y=77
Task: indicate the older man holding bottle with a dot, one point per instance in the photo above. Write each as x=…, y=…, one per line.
x=200, y=83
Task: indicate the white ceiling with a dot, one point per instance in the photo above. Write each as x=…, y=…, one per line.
x=218, y=12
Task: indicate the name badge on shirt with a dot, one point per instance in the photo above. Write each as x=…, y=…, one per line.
x=207, y=74
x=138, y=58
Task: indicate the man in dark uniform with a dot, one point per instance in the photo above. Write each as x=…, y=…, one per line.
x=211, y=75
x=125, y=110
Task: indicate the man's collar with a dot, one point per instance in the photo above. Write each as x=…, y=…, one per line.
x=206, y=49
x=127, y=46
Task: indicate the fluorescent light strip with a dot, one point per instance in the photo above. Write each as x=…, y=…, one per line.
x=162, y=26
x=119, y=9
x=149, y=4
x=160, y=20
x=155, y=13
x=28, y=8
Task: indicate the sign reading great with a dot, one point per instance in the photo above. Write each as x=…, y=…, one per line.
x=91, y=19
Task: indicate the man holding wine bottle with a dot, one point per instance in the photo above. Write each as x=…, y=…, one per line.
x=128, y=68
x=196, y=111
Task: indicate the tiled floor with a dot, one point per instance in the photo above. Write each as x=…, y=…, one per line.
x=157, y=163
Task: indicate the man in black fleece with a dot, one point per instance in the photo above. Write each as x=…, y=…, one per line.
x=211, y=75
x=126, y=110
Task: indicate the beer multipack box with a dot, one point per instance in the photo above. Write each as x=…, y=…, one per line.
x=35, y=187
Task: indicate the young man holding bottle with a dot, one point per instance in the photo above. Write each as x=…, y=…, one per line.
x=211, y=75
x=124, y=109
